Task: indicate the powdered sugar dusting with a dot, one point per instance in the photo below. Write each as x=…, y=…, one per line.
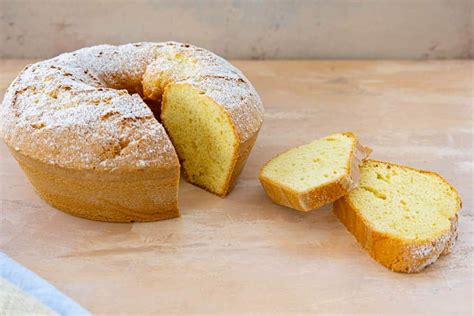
x=83, y=109
x=216, y=78
x=422, y=255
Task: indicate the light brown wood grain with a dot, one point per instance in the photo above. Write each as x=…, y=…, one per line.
x=243, y=254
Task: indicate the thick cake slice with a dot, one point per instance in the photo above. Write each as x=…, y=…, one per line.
x=309, y=176
x=405, y=218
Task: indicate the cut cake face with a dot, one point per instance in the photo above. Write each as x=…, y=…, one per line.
x=411, y=215
x=311, y=175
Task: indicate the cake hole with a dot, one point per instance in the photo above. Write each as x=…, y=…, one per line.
x=383, y=178
x=53, y=94
x=374, y=191
x=123, y=142
x=108, y=115
x=38, y=125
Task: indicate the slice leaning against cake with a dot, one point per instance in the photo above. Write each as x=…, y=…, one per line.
x=405, y=218
x=311, y=175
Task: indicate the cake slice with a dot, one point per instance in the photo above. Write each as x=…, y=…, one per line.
x=309, y=176
x=405, y=218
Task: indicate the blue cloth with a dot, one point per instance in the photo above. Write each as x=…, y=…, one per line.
x=37, y=287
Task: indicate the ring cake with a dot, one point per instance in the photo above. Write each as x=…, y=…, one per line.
x=84, y=128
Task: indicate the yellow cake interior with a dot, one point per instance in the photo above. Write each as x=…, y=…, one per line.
x=404, y=202
x=311, y=165
x=203, y=135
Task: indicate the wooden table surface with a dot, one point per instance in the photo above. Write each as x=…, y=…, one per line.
x=243, y=254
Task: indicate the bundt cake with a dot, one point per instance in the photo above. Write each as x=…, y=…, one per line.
x=100, y=132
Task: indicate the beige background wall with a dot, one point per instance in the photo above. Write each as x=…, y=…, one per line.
x=245, y=29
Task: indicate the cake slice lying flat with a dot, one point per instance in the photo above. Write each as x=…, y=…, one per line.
x=405, y=218
x=309, y=176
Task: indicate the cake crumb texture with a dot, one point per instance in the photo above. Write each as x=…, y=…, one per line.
x=405, y=218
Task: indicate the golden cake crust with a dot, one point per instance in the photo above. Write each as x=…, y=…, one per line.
x=395, y=253
x=85, y=111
